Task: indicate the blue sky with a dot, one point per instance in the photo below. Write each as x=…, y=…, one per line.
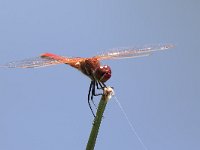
x=47, y=108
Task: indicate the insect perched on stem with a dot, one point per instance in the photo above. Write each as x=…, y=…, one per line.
x=91, y=66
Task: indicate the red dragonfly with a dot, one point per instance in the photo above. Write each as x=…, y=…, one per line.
x=91, y=66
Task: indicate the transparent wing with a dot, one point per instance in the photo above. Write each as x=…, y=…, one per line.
x=132, y=52
x=32, y=63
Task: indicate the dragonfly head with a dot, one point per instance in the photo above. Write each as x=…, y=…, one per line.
x=103, y=73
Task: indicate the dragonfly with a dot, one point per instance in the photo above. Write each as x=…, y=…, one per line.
x=91, y=66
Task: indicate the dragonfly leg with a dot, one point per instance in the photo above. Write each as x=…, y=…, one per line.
x=92, y=93
x=102, y=85
x=90, y=88
x=97, y=85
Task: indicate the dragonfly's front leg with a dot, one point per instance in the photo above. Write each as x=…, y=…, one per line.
x=101, y=84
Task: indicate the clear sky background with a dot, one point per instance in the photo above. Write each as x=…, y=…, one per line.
x=46, y=108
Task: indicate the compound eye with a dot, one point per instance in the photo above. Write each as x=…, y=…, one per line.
x=103, y=73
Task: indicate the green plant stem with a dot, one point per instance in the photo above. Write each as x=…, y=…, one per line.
x=97, y=122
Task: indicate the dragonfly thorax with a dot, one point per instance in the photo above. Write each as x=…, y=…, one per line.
x=102, y=73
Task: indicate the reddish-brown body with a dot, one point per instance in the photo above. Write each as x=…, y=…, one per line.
x=89, y=66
